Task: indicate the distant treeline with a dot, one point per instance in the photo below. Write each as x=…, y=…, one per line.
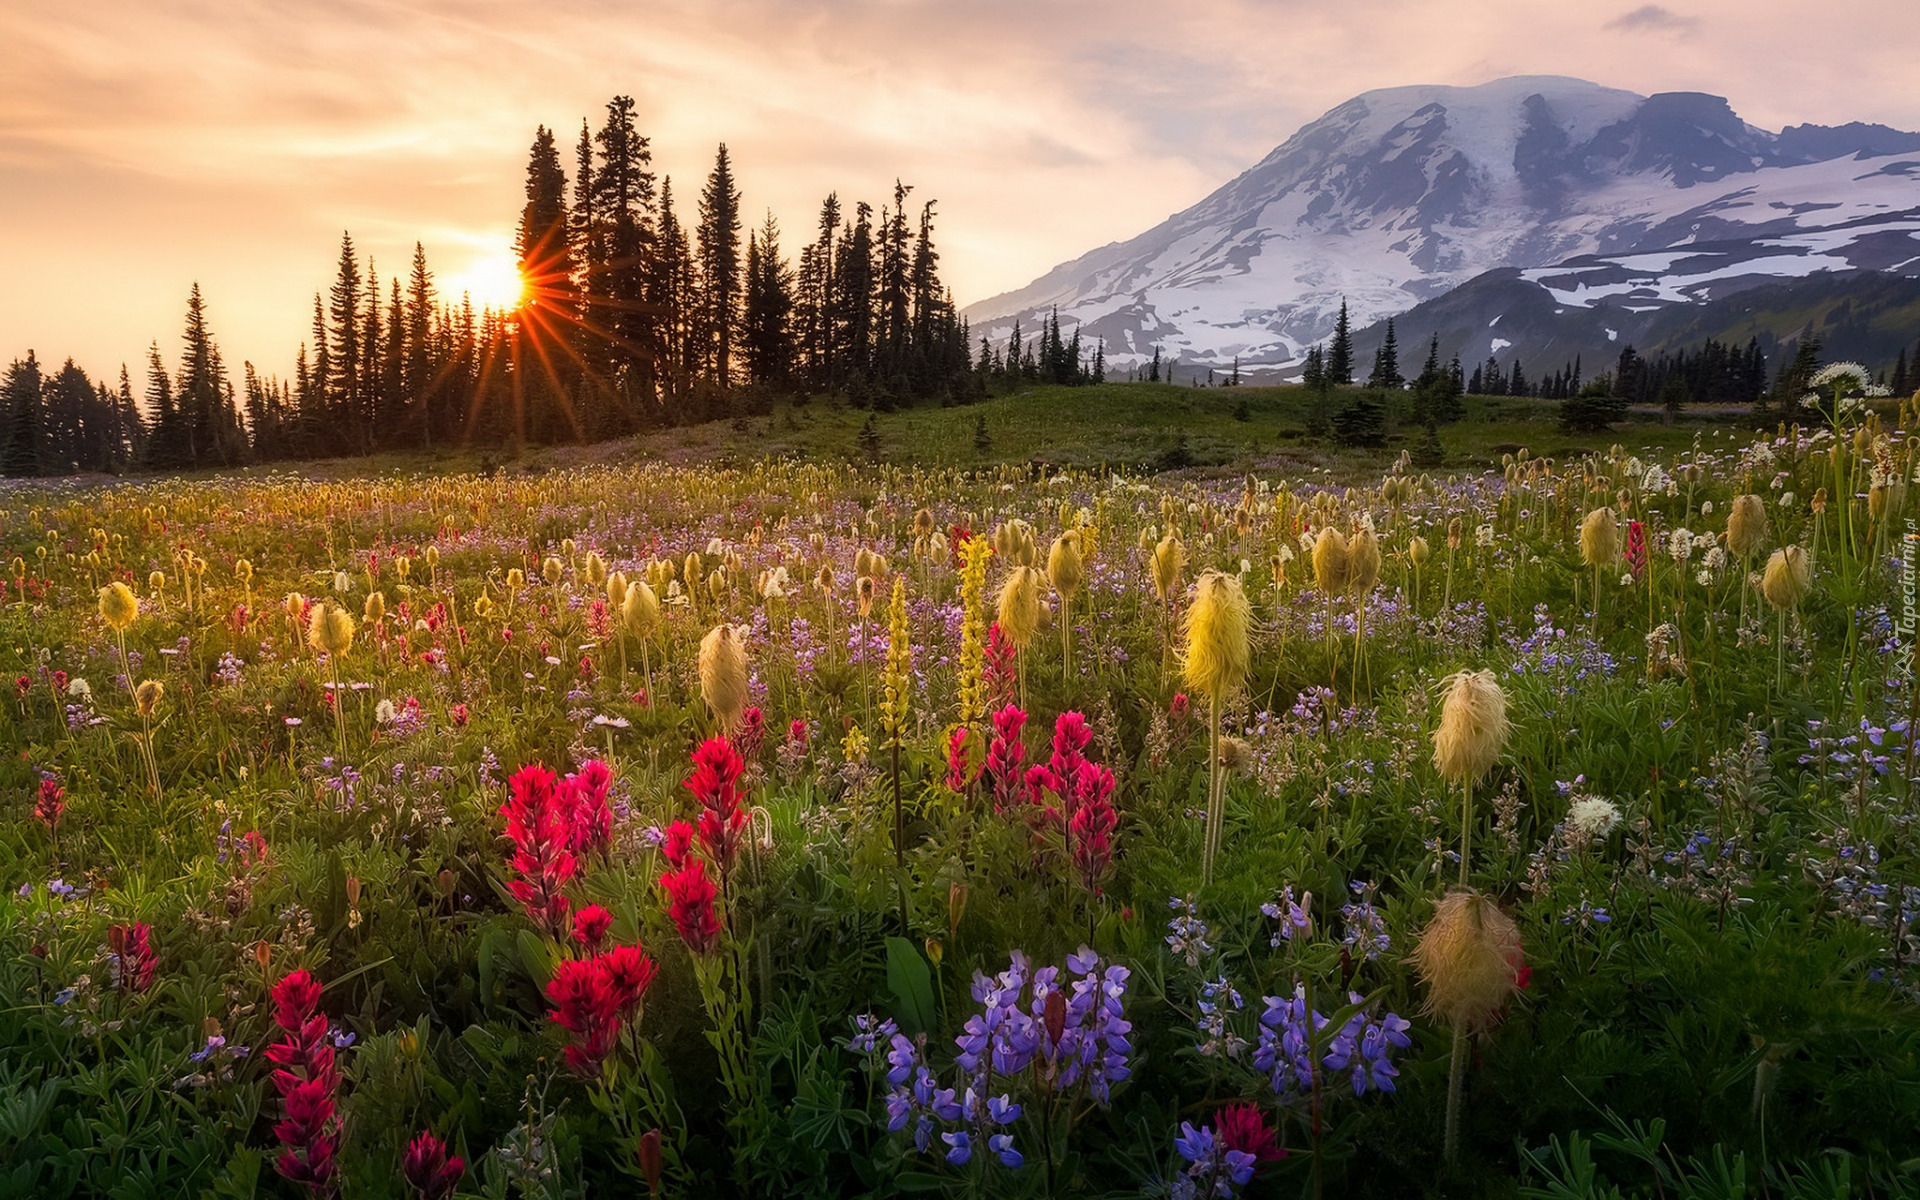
x=631, y=319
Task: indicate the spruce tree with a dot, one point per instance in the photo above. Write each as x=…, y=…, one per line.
x=423, y=384
x=767, y=324
x=343, y=335
x=621, y=211
x=720, y=266
x=20, y=401
x=1340, y=353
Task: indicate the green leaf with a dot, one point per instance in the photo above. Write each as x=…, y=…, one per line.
x=911, y=981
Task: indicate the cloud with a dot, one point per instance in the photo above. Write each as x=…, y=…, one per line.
x=1654, y=18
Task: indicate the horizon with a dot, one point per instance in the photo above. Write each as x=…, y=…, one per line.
x=123, y=186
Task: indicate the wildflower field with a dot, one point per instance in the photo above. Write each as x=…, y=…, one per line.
x=804, y=830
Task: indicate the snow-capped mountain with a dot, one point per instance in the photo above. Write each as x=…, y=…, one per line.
x=1600, y=196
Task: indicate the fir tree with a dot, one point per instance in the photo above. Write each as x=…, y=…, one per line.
x=766, y=326
x=1386, y=363
x=720, y=266
x=1340, y=353
x=20, y=453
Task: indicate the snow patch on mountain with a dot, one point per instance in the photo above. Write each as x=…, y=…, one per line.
x=1399, y=195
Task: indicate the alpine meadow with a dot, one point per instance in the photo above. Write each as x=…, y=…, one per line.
x=1400, y=680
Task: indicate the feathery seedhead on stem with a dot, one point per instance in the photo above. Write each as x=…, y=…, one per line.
x=1788, y=578
x=1473, y=727
x=552, y=570
x=1469, y=958
x=118, y=606
x=375, y=608
x=1600, y=538
x=1330, y=561
x=1169, y=560
x=1065, y=568
x=1746, y=526
x=863, y=594
x=723, y=675
x=330, y=629
x=1019, y=609
x=1418, y=552
x=147, y=697
x=1363, y=562
x=640, y=609
x=617, y=590
x=1218, y=654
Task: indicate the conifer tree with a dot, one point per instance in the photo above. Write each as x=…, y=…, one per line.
x=343, y=334
x=20, y=453
x=720, y=266
x=621, y=236
x=1340, y=352
x=767, y=329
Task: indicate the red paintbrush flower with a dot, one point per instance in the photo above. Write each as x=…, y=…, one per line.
x=429, y=1171
x=590, y=927
x=1242, y=1127
x=307, y=1081
x=717, y=768
x=690, y=903
x=51, y=803
x=132, y=946
x=678, y=844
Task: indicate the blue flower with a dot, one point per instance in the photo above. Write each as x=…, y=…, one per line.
x=962, y=1147
x=1002, y=1145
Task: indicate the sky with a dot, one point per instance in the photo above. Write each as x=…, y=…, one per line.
x=146, y=145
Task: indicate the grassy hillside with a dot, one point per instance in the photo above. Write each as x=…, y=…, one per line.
x=1135, y=427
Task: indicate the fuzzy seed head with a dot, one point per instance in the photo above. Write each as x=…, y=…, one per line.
x=147, y=697
x=118, y=606
x=1065, y=568
x=1169, y=560
x=640, y=609
x=1468, y=958
x=616, y=590
x=294, y=605
x=1330, y=561
x=552, y=570
x=330, y=629
x=1019, y=610
x=1600, y=538
x=723, y=675
x=1788, y=578
x=1218, y=652
x=1473, y=726
x=1746, y=526
x=1363, y=562
x=375, y=608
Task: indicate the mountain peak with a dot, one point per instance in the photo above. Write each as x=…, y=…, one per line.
x=1400, y=194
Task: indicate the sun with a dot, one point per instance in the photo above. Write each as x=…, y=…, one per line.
x=493, y=280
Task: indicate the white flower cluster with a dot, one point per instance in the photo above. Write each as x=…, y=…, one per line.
x=1593, y=817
